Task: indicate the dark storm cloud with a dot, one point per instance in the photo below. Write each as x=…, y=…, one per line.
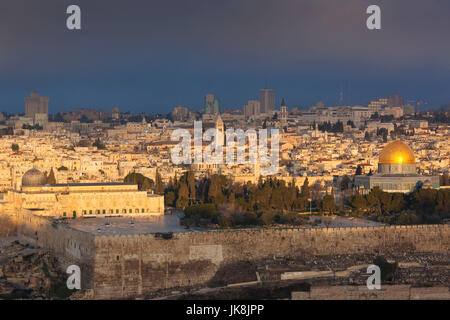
x=237, y=37
x=414, y=31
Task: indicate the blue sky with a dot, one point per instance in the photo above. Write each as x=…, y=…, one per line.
x=149, y=56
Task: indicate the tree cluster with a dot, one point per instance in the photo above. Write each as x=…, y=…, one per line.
x=422, y=206
x=268, y=202
x=99, y=144
x=331, y=127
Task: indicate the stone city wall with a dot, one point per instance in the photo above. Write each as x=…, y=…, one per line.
x=388, y=292
x=7, y=226
x=125, y=266
x=69, y=245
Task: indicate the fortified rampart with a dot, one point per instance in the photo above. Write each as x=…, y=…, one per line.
x=69, y=245
x=130, y=265
x=123, y=266
x=7, y=226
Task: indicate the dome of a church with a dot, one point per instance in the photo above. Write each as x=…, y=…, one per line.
x=115, y=110
x=33, y=178
x=397, y=152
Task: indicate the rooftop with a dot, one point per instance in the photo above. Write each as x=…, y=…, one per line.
x=92, y=184
x=128, y=225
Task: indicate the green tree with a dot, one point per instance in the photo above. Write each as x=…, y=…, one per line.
x=99, y=144
x=201, y=214
x=182, y=196
x=159, y=187
x=190, y=177
x=358, y=203
x=328, y=204
x=408, y=217
x=387, y=269
x=169, y=199
x=305, y=189
x=15, y=147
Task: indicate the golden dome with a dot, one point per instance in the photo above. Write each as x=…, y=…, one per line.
x=397, y=152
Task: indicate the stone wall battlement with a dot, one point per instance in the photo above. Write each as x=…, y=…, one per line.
x=149, y=262
x=119, y=266
x=279, y=231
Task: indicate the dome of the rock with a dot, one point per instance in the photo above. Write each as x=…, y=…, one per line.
x=397, y=152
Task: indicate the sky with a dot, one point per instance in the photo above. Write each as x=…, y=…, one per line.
x=152, y=55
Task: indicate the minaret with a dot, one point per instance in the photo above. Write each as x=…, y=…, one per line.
x=219, y=124
x=284, y=113
x=221, y=128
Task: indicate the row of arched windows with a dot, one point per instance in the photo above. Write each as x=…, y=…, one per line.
x=109, y=211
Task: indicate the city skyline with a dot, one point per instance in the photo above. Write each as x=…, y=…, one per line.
x=173, y=53
x=419, y=105
x=214, y=150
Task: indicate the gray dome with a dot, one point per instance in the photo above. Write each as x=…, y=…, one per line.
x=33, y=178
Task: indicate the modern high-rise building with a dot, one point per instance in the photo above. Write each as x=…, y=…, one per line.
x=253, y=108
x=36, y=105
x=395, y=100
x=211, y=104
x=376, y=105
x=267, y=100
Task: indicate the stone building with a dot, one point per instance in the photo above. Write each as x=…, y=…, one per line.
x=36, y=108
x=396, y=171
x=81, y=199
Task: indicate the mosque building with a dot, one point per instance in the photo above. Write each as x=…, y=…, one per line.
x=81, y=199
x=397, y=171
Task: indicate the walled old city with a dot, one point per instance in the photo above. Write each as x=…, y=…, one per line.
x=355, y=185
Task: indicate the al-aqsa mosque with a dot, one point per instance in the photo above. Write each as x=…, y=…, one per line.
x=76, y=200
x=397, y=171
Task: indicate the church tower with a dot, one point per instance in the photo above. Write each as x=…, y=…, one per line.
x=219, y=124
x=220, y=139
x=284, y=113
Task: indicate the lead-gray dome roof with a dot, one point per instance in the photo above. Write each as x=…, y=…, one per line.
x=33, y=178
